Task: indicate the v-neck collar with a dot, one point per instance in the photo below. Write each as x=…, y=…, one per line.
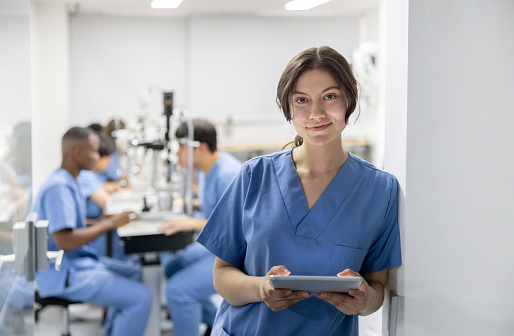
x=311, y=223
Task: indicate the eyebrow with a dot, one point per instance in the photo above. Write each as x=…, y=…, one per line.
x=327, y=89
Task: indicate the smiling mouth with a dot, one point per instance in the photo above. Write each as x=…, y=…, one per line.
x=320, y=127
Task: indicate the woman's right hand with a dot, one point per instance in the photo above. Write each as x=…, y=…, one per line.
x=280, y=299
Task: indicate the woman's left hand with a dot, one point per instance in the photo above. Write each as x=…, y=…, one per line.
x=356, y=300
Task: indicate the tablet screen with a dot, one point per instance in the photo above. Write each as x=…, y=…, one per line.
x=316, y=284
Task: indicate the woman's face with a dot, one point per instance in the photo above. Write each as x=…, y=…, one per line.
x=318, y=108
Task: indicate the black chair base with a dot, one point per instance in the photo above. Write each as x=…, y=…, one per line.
x=52, y=301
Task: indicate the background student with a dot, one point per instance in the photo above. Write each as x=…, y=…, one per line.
x=84, y=275
x=190, y=288
x=97, y=197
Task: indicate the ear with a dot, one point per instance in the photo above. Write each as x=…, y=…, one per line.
x=204, y=147
x=76, y=151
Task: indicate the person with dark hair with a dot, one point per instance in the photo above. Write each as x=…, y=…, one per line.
x=113, y=171
x=84, y=275
x=97, y=197
x=95, y=127
x=189, y=289
x=314, y=209
x=91, y=185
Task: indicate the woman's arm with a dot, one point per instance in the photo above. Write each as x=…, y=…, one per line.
x=363, y=301
x=239, y=289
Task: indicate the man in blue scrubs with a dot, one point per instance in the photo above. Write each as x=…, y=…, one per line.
x=190, y=286
x=84, y=275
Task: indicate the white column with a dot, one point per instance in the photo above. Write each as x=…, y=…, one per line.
x=50, y=86
x=449, y=141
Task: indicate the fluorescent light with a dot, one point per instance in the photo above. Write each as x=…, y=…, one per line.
x=303, y=4
x=159, y=4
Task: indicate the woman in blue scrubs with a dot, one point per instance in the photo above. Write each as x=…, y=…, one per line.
x=315, y=209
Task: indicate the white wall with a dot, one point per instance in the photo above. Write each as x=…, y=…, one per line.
x=113, y=59
x=217, y=66
x=15, y=70
x=457, y=180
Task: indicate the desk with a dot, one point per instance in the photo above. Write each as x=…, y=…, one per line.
x=142, y=236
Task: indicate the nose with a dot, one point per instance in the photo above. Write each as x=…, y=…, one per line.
x=317, y=110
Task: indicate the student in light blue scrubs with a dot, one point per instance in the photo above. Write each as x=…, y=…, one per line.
x=315, y=209
x=113, y=171
x=97, y=197
x=84, y=275
x=190, y=288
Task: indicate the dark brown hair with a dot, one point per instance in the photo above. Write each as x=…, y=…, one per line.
x=324, y=58
x=113, y=125
x=203, y=131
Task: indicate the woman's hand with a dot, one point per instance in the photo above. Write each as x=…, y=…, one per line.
x=350, y=304
x=279, y=299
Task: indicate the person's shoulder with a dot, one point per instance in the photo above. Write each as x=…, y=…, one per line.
x=230, y=160
x=58, y=179
x=370, y=171
x=86, y=175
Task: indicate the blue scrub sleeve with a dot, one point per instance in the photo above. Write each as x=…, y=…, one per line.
x=89, y=182
x=60, y=208
x=385, y=252
x=223, y=233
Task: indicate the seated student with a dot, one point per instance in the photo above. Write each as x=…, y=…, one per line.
x=190, y=287
x=84, y=275
x=113, y=171
x=97, y=197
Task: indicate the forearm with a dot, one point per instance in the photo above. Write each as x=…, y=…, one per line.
x=375, y=300
x=234, y=286
x=68, y=240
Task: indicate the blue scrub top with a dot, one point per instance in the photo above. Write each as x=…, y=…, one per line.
x=263, y=220
x=212, y=186
x=89, y=184
x=61, y=202
x=113, y=171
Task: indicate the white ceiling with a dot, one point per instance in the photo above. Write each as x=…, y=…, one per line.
x=214, y=7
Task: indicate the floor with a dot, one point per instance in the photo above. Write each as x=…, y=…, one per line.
x=49, y=324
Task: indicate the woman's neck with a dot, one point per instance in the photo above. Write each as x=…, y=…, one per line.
x=319, y=160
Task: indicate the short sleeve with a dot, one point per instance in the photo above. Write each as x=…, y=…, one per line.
x=89, y=183
x=223, y=233
x=60, y=208
x=385, y=251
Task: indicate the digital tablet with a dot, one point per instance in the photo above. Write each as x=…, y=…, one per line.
x=316, y=284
